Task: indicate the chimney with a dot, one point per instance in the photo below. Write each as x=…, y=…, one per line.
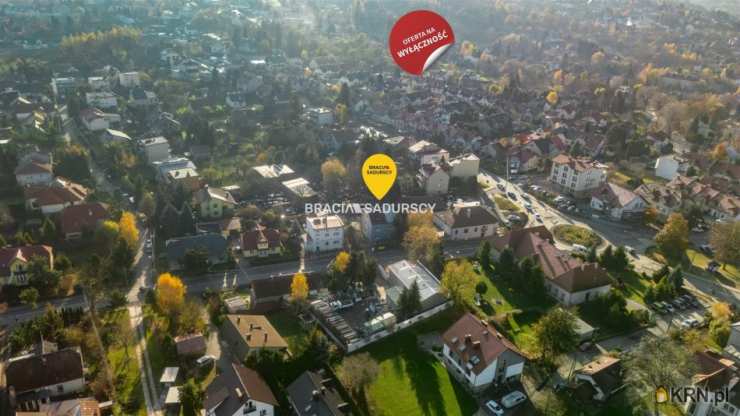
x=485, y=334
x=467, y=337
x=249, y=337
x=238, y=320
x=265, y=336
x=476, y=344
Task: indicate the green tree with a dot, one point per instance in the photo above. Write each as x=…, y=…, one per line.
x=725, y=240
x=41, y=276
x=48, y=231
x=555, y=334
x=196, y=260
x=357, y=372
x=484, y=256
x=29, y=296
x=676, y=278
x=410, y=301
x=506, y=265
x=458, y=281
x=673, y=239
x=191, y=397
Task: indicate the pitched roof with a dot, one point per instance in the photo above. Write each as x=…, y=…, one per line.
x=560, y=267
x=606, y=371
x=313, y=394
x=60, y=191
x=33, y=167
x=257, y=331
x=24, y=253
x=190, y=344
x=33, y=372
x=251, y=239
x=78, y=218
x=477, y=343
x=214, y=244
x=468, y=216
x=713, y=371
x=615, y=195
x=577, y=164
x=208, y=193
x=235, y=387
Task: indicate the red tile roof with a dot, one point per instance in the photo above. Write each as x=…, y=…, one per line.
x=479, y=340
x=25, y=253
x=251, y=239
x=78, y=218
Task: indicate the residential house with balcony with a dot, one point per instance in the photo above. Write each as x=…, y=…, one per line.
x=239, y=391
x=618, y=203
x=14, y=262
x=466, y=222
x=577, y=176
x=324, y=233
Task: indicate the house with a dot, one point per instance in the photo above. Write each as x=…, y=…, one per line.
x=434, y=179
x=214, y=244
x=22, y=107
x=261, y=242
x=227, y=227
x=54, y=197
x=101, y=99
x=190, y=346
x=95, y=120
x=140, y=97
x=465, y=222
x=618, y=203
x=316, y=393
x=577, y=176
x=239, y=391
x=664, y=199
x=87, y=406
x=732, y=349
x=129, y=79
x=98, y=83
x=669, y=166
x=268, y=294
x=213, y=202
x=465, y=166
x=56, y=373
x=726, y=207
x=14, y=262
x=114, y=136
x=249, y=334
x=178, y=171
x=479, y=356
x=274, y=171
x=321, y=116
x=156, y=149
x=77, y=220
x=604, y=376
x=324, y=233
x=33, y=173
x=424, y=152
x=299, y=189
x=716, y=375
x=377, y=227
x=567, y=279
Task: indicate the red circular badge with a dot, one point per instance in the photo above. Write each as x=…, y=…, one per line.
x=418, y=39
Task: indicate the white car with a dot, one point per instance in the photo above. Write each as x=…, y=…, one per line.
x=205, y=360
x=494, y=408
x=538, y=217
x=512, y=399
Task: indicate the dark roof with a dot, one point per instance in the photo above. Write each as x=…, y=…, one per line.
x=215, y=244
x=223, y=392
x=480, y=340
x=280, y=285
x=33, y=167
x=251, y=239
x=78, y=218
x=316, y=395
x=24, y=253
x=474, y=216
x=34, y=372
x=606, y=371
x=192, y=344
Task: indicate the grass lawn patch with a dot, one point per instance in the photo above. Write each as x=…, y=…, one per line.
x=573, y=234
x=505, y=205
x=413, y=382
x=633, y=285
x=125, y=370
x=289, y=327
x=699, y=262
x=620, y=178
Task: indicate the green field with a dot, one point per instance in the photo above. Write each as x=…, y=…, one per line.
x=573, y=234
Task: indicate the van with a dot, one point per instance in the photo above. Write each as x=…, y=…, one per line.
x=512, y=399
x=205, y=360
x=577, y=248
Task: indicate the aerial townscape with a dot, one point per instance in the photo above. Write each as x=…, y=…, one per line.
x=162, y=163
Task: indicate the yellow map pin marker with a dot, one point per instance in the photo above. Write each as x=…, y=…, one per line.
x=379, y=173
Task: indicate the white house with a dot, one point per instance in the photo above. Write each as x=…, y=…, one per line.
x=129, y=79
x=32, y=373
x=669, y=166
x=466, y=166
x=324, y=233
x=98, y=83
x=477, y=355
x=239, y=391
x=617, y=202
x=322, y=116
x=466, y=222
x=577, y=176
x=434, y=179
x=156, y=149
x=101, y=99
x=425, y=152
x=95, y=120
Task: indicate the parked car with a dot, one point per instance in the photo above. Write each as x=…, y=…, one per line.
x=501, y=186
x=205, y=360
x=706, y=249
x=577, y=248
x=511, y=195
x=512, y=399
x=494, y=408
x=713, y=266
x=538, y=217
x=669, y=307
x=631, y=251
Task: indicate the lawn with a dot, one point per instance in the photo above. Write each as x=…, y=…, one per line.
x=125, y=369
x=573, y=234
x=634, y=286
x=413, y=382
x=696, y=262
x=505, y=205
x=289, y=327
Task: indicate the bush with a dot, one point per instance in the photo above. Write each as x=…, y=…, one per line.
x=573, y=234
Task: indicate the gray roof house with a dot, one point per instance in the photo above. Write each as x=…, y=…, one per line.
x=214, y=244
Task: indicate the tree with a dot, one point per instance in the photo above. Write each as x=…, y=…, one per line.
x=721, y=311
x=299, y=287
x=552, y=97
x=357, y=372
x=117, y=299
x=343, y=97
x=341, y=261
x=334, y=174
x=484, y=256
x=128, y=230
x=458, y=281
x=191, y=397
x=147, y=204
x=41, y=276
x=673, y=239
x=659, y=362
x=421, y=238
x=410, y=301
x=105, y=236
x=170, y=293
x=29, y=296
x=650, y=216
x=506, y=265
x=122, y=257
x=186, y=220
x=719, y=153
x=196, y=260
x=620, y=261
x=725, y=240
x=3, y=243
x=48, y=231
x=676, y=278
x=72, y=162
x=719, y=330
x=555, y=334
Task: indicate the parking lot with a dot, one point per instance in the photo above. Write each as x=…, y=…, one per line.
x=682, y=315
